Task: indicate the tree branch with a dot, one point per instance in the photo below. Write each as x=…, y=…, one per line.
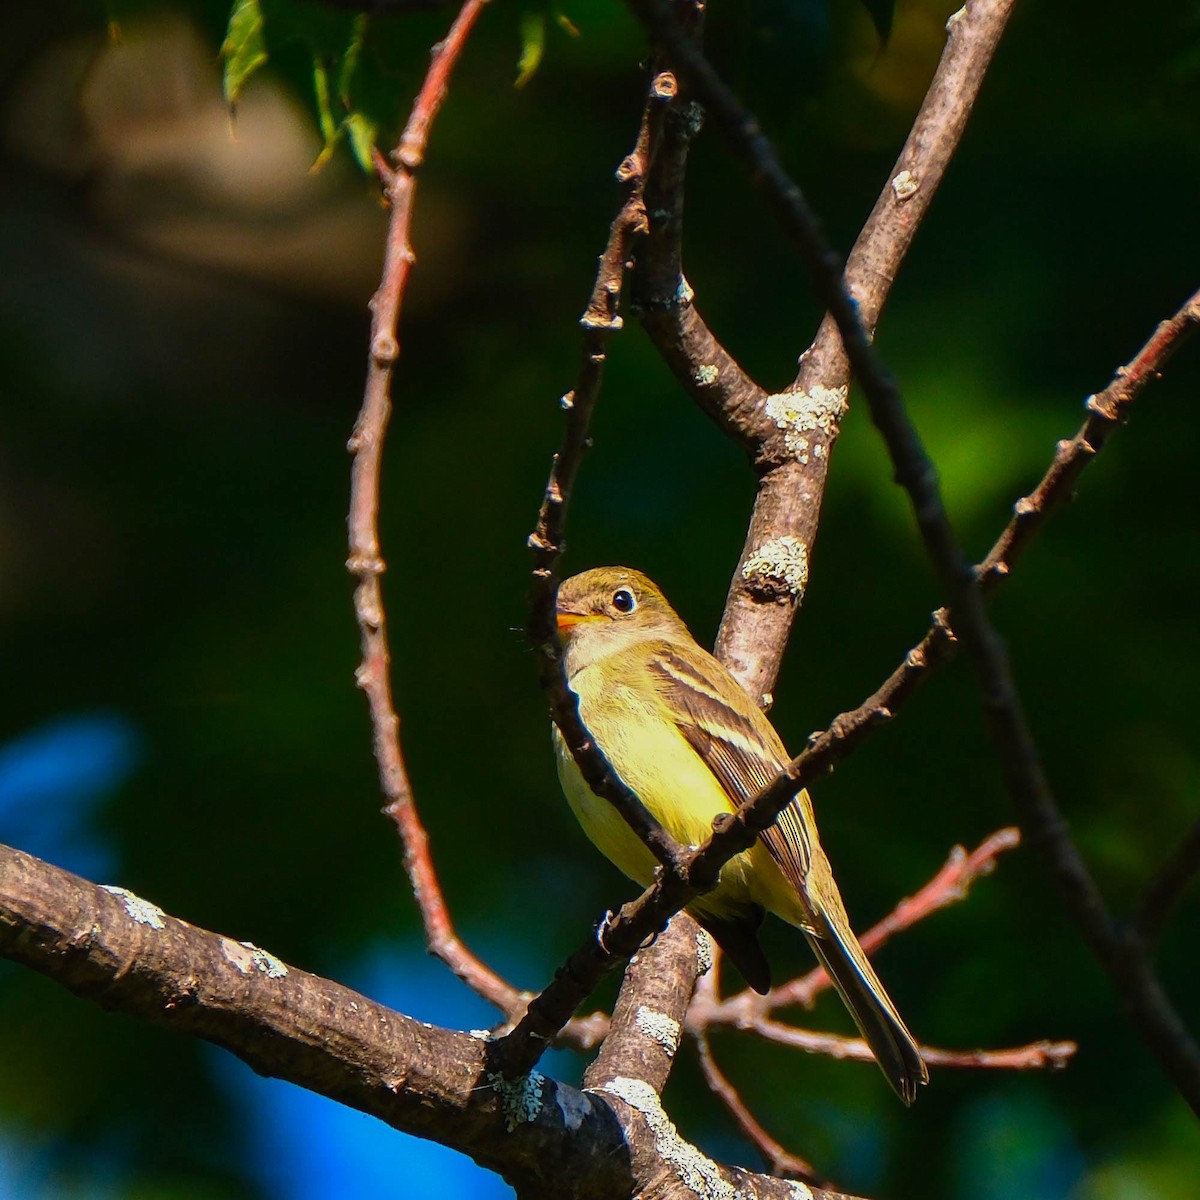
x=663, y=300
x=1123, y=957
x=1033, y=1057
x=551, y=1141
x=111, y=947
x=950, y=885
x=366, y=562
x=791, y=435
x=599, y=322
x=778, y=1158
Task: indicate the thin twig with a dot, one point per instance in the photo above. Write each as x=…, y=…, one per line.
x=663, y=300
x=1033, y=1057
x=779, y=1159
x=1168, y=885
x=599, y=322
x=948, y=886
x=1106, y=410
x=366, y=562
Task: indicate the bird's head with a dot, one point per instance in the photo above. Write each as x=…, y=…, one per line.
x=606, y=609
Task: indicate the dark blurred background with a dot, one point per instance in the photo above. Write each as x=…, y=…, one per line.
x=182, y=346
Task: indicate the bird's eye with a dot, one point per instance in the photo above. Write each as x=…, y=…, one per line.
x=624, y=601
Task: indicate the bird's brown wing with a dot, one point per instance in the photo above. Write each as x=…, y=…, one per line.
x=744, y=752
x=739, y=745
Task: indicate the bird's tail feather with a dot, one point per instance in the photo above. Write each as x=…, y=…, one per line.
x=875, y=1015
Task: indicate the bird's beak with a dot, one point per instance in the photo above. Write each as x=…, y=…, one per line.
x=568, y=620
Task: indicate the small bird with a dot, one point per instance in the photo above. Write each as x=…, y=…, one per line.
x=687, y=740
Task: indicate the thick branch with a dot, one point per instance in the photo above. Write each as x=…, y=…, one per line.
x=648, y=1018
x=551, y=1141
x=111, y=947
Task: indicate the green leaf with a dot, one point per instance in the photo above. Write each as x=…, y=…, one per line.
x=533, y=46
x=244, y=49
x=351, y=56
x=360, y=130
x=325, y=118
x=363, y=133
x=330, y=130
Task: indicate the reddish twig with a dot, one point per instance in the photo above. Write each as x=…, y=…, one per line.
x=778, y=1158
x=366, y=562
x=948, y=886
x=1035, y=1056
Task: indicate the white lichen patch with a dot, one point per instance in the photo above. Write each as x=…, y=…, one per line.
x=800, y=413
x=696, y=1171
x=801, y=1191
x=905, y=185
x=779, y=565
x=704, y=952
x=683, y=292
x=659, y=1028
x=256, y=960
x=267, y=963
x=520, y=1099
x=139, y=910
x=706, y=374
x=484, y=1035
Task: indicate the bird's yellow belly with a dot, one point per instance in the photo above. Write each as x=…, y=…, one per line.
x=682, y=794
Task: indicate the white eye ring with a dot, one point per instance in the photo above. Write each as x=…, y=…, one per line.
x=623, y=600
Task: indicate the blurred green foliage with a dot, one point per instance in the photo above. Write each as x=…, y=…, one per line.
x=181, y=356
